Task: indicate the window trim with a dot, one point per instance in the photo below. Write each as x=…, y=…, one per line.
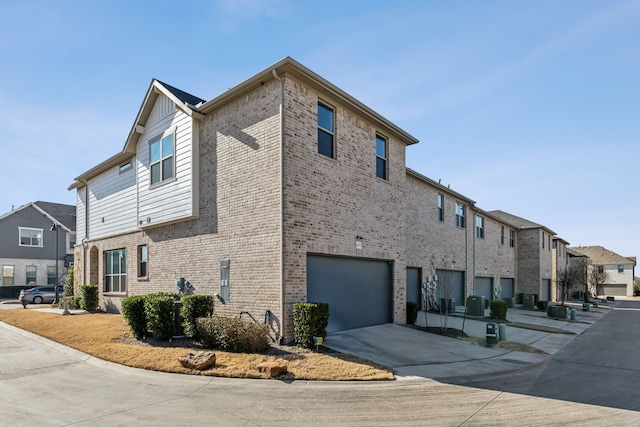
x=158, y=138
x=502, y=234
x=460, y=216
x=51, y=275
x=125, y=167
x=440, y=207
x=385, y=159
x=143, y=265
x=330, y=132
x=512, y=238
x=620, y=268
x=107, y=286
x=13, y=274
x=40, y=230
x=479, y=227
x=35, y=274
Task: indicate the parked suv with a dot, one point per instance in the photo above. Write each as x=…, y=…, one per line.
x=40, y=294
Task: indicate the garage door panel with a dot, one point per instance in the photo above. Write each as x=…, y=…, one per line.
x=359, y=292
x=484, y=287
x=615, y=290
x=507, y=288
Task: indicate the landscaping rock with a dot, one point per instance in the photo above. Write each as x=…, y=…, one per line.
x=272, y=368
x=200, y=361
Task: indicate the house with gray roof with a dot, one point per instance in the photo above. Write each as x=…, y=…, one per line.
x=36, y=244
x=620, y=270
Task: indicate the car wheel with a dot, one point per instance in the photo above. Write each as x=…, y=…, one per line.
x=37, y=300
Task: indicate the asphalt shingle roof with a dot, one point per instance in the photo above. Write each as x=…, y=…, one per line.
x=182, y=95
x=64, y=214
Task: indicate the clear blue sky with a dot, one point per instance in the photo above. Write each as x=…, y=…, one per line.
x=528, y=107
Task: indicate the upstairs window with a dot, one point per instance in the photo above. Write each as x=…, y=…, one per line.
x=30, y=237
x=440, y=207
x=381, y=157
x=512, y=238
x=620, y=268
x=479, y=227
x=161, y=158
x=502, y=235
x=600, y=269
x=459, y=214
x=325, y=130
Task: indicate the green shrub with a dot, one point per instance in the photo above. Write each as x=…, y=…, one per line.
x=309, y=320
x=159, y=310
x=412, y=312
x=519, y=298
x=134, y=313
x=89, y=297
x=542, y=305
x=76, y=303
x=231, y=334
x=193, y=307
x=498, y=310
x=68, y=283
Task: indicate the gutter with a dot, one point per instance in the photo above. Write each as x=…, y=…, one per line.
x=281, y=237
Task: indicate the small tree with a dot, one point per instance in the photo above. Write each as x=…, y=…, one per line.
x=68, y=283
x=567, y=278
x=445, y=289
x=596, y=277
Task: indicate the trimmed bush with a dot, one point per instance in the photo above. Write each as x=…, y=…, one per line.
x=68, y=283
x=412, y=312
x=542, y=305
x=498, y=310
x=89, y=295
x=133, y=311
x=193, y=307
x=76, y=303
x=309, y=320
x=231, y=334
x=159, y=310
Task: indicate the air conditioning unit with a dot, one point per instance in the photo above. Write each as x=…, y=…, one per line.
x=528, y=301
x=475, y=305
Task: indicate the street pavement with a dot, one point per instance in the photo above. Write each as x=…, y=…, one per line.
x=45, y=383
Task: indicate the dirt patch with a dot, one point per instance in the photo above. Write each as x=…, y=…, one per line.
x=448, y=332
x=506, y=345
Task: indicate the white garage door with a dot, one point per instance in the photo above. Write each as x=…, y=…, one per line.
x=615, y=290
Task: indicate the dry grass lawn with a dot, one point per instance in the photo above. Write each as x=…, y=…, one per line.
x=106, y=336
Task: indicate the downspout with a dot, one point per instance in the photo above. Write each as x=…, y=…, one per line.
x=86, y=234
x=281, y=237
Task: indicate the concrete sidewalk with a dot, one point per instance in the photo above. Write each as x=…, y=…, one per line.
x=413, y=353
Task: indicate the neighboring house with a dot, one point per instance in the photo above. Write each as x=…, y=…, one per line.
x=448, y=236
x=559, y=265
x=534, y=257
x=620, y=270
x=28, y=253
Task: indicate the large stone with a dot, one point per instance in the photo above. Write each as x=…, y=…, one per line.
x=200, y=361
x=272, y=368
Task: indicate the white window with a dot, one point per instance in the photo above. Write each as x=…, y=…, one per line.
x=381, y=157
x=30, y=237
x=325, y=130
x=479, y=227
x=7, y=275
x=115, y=271
x=161, y=158
x=440, y=207
x=31, y=275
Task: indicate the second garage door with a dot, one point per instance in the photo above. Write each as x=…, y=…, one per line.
x=358, y=291
x=614, y=290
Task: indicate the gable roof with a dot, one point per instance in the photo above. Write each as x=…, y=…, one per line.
x=62, y=214
x=183, y=100
x=198, y=107
x=519, y=222
x=602, y=256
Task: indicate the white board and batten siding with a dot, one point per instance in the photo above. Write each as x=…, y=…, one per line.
x=112, y=202
x=118, y=200
x=176, y=199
